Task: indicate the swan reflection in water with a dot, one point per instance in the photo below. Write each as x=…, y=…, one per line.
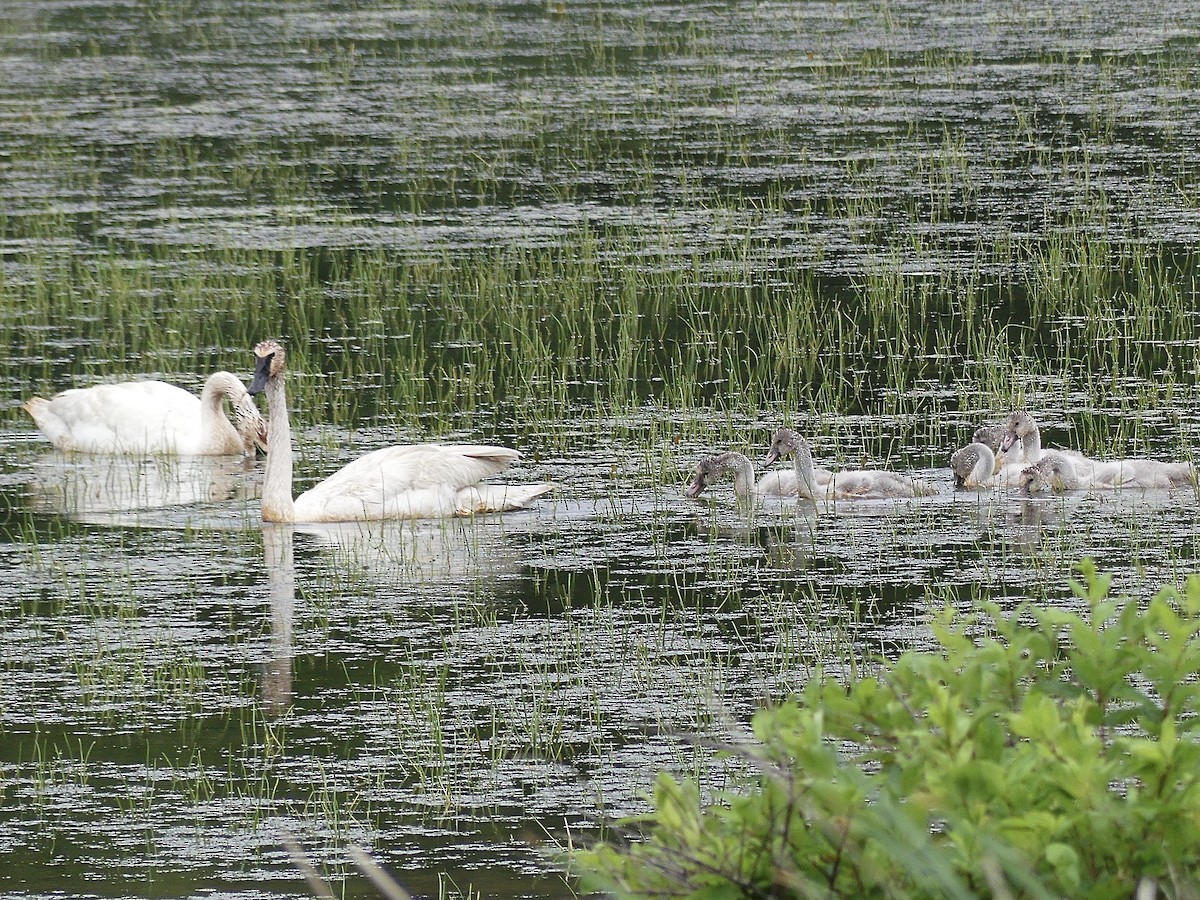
x=280, y=563
x=115, y=490
x=413, y=552
x=407, y=558
x=165, y=492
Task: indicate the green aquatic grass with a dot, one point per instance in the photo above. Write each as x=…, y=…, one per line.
x=535, y=336
x=610, y=318
x=541, y=707
x=715, y=272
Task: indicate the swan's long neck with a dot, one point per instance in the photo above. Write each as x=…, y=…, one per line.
x=1031, y=443
x=806, y=478
x=213, y=422
x=985, y=464
x=277, y=505
x=743, y=473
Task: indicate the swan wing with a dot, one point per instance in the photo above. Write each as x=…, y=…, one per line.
x=1077, y=459
x=490, y=498
x=1144, y=473
x=876, y=484
x=403, y=482
x=862, y=484
x=822, y=476
x=845, y=486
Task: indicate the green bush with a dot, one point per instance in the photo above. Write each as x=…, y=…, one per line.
x=1056, y=757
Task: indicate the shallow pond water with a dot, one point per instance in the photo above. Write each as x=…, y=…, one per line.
x=464, y=698
x=616, y=236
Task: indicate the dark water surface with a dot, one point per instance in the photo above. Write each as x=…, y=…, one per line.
x=616, y=236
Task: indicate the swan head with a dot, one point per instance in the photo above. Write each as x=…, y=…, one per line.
x=269, y=359
x=783, y=442
x=712, y=468
x=708, y=471
x=966, y=462
x=1019, y=425
x=1052, y=474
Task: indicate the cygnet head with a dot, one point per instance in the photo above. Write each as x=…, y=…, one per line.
x=784, y=442
x=964, y=460
x=1019, y=425
x=990, y=436
x=1051, y=475
x=269, y=363
x=708, y=471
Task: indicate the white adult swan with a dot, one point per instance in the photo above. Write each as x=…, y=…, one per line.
x=849, y=484
x=712, y=469
x=420, y=481
x=151, y=417
x=975, y=466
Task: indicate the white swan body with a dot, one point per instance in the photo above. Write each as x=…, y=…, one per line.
x=151, y=417
x=975, y=466
x=849, y=484
x=712, y=469
x=1085, y=472
x=1055, y=473
x=1147, y=474
x=422, y=481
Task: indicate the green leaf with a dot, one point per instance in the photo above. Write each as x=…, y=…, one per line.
x=1058, y=758
x=1065, y=862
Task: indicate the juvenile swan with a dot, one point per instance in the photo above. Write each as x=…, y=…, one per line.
x=849, y=484
x=1056, y=473
x=1022, y=427
x=712, y=469
x=1052, y=474
x=151, y=417
x=976, y=466
x=1118, y=473
x=421, y=481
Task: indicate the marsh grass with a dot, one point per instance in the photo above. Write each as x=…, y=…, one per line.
x=607, y=323
x=609, y=318
x=616, y=240
x=540, y=335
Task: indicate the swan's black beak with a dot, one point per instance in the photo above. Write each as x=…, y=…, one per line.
x=695, y=486
x=262, y=372
x=1010, y=438
x=771, y=457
